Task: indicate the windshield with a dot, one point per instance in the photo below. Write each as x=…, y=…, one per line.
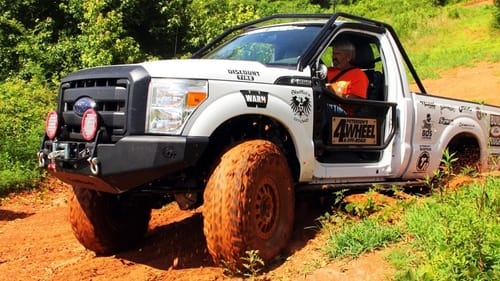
x=280, y=45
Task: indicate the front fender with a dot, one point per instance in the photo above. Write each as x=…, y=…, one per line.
x=225, y=107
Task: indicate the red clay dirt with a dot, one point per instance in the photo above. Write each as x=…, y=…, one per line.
x=37, y=243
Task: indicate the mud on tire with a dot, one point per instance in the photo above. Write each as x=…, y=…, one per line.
x=249, y=204
x=105, y=223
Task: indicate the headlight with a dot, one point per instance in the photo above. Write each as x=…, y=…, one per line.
x=171, y=102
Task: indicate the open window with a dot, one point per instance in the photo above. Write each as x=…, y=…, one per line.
x=361, y=134
x=368, y=58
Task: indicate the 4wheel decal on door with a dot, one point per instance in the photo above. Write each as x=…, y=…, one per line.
x=354, y=130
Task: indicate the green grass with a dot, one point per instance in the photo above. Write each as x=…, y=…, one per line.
x=450, y=236
x=458, y=235
x=460, y=36
x=358, y=238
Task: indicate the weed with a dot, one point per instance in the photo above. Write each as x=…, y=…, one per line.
x=393, y=212
x=447, y=162
x=339, y=196
x=442, y=175
x=356, y=239
x=313, y=264
x=363, y=208
x=469, y=171
x=332, y=223
x=252, y=263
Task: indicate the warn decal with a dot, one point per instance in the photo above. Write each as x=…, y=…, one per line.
x=354, y=130
x=255, y=98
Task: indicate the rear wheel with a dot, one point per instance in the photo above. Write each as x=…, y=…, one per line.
x=249, y=204
x=106, y=223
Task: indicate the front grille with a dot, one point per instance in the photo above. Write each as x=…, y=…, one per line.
x=110, y=96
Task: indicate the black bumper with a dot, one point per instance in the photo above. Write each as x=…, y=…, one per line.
x=131, y=162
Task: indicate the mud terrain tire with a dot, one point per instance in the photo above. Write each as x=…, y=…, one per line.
x=104, y=223
x=249, y=204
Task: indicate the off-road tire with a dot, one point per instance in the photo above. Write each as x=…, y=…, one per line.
x=105, y=223
x=249, y=204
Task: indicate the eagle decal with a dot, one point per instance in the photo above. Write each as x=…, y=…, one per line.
x=301, y=106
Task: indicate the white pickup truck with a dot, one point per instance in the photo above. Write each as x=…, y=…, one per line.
x=240, y=127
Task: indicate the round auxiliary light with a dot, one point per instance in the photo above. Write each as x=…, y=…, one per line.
x=89, y=124
x=51, y=124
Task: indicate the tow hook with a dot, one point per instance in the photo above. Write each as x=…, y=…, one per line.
x=41, y=159
x=94, y=165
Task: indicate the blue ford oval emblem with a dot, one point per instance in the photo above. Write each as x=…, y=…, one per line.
x=82, y=104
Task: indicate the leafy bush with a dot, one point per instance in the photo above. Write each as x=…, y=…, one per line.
x=23, y=107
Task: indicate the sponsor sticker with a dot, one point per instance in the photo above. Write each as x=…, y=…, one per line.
x=423, y=161
x=494, y=130
x=447, y=107
x=301, y=105
x=427, y=127
x=347, y=130
x=465, y=109
x=466, y=125
x=445, y=121
x=425, y=147
x=255, y=98
x=246, y=75
x=479, y=114
x=427, y=104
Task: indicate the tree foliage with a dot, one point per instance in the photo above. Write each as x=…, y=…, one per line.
x=497, y=14
x=47, y=39
x=102, y=40
x=222, y=14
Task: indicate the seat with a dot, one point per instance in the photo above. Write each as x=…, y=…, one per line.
x=365, y=60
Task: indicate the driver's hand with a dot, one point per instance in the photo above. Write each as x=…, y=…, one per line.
x=339, y=87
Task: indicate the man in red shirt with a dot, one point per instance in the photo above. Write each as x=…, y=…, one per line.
x=345, y=79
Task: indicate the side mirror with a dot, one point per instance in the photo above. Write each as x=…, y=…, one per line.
x=322, y=71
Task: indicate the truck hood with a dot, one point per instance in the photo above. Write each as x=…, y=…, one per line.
x=244, y=71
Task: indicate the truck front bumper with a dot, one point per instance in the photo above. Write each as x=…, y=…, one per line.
x=115, y=168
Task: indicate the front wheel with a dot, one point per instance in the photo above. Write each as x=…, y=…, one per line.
x=249, y=204
x=106, y=223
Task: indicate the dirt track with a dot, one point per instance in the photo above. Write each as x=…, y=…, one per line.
x=36, y=241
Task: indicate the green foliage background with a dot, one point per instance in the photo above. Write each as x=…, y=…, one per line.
x=41, y=41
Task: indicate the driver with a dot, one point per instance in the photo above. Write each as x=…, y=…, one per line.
x=344, y=78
